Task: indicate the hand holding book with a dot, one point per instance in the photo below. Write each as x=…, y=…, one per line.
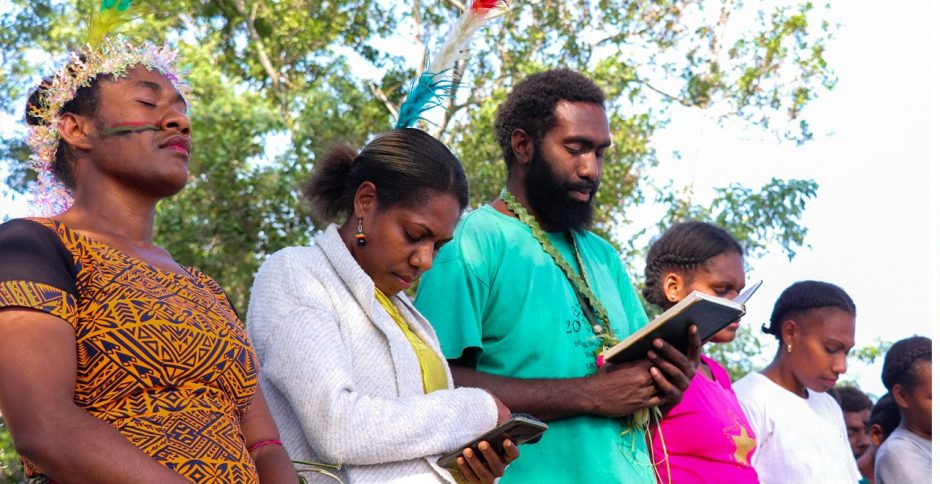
x=709, y=313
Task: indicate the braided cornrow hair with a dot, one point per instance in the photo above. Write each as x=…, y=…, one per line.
x=901, y=359
x=685, y=247
x=804, y=296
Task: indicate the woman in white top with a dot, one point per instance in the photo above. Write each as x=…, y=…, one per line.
x=801, y=436
x=905, y=456
x=354, y=373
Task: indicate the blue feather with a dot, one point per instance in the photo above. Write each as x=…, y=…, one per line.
x=428, y=93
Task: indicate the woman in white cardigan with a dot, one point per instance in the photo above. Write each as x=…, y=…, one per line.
x=353, y=373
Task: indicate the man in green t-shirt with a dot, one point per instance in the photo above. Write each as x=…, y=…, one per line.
x=524, y=296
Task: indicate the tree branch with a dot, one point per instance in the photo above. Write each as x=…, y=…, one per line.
x=382, y=97
x=416, y=15
x=665, y=94
x=278, y=83
x=459, y=6
x=266, y=64
x=718, y=34
x=451, y=109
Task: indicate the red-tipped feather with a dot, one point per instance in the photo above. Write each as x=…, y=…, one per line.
x=460, y=34
x=484, y=4
x=439, y=80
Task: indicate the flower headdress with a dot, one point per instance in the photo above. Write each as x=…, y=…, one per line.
x=100, y=55
x=434, y=84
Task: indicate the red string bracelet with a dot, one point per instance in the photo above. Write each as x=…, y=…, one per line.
x=258, y=445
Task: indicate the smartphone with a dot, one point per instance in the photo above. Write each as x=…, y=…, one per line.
x=519, y=429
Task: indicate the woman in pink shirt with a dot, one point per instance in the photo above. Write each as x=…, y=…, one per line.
x=706, y=436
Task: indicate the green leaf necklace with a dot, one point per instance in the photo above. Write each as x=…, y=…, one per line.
x=641, y=419
x=592, y=308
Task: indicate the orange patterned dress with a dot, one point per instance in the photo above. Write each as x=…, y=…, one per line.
x=161, y=356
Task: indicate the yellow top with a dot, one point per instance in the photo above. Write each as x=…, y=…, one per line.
x=433, y=374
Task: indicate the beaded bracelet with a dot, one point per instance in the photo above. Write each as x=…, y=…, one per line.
x=258, y=445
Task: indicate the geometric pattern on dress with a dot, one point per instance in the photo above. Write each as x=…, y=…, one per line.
x=36, y=295
x=162, y=357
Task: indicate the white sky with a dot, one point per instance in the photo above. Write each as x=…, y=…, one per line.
x=873, y=228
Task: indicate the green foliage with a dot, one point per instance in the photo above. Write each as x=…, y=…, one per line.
x=756, y=218
x=10, y=468
x=276, y=83
x=739, y=357
x=870, y=354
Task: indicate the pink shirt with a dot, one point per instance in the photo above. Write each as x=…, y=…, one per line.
x=708, y=438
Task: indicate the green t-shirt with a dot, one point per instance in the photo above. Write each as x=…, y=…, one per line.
x=493, y=290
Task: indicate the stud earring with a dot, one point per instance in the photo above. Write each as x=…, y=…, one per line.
x=789, y=348
x=360, y=237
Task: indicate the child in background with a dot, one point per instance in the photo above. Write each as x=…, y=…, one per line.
x=905, y=456
x=801, y=435
x=885, y=417
x=706, y=436
x=856, y=410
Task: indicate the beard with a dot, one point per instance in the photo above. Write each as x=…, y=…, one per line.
x=548, y=195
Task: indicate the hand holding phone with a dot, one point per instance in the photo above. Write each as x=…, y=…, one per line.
x=483, y=465
x=519, y=429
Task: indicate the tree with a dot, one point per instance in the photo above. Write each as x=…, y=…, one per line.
x=275, y=83
x=741, y=356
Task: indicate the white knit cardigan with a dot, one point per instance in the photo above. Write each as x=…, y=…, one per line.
x=342, y=381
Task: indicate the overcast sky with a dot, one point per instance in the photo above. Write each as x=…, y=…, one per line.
x=873, y=228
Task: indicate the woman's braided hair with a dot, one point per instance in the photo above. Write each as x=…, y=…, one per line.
x=684, y=247
x=805, y=296
x=901, y=359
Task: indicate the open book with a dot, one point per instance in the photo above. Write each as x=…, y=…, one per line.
x=710, y=313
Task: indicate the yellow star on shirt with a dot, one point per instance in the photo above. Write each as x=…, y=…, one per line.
x=744, y=445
